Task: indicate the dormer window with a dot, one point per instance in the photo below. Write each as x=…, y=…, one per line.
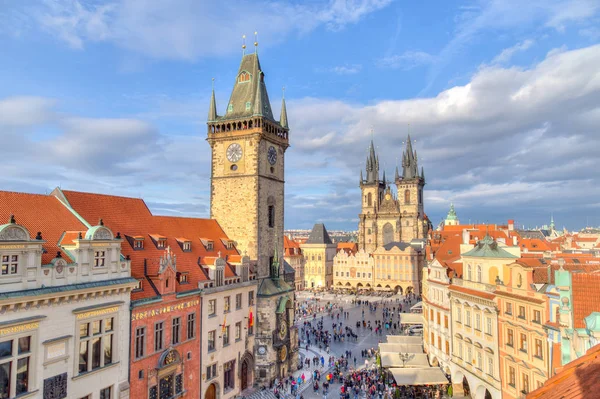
x=182, y=278
x=99, y=258
x=230, y=244
x=185, y=244
x=159, y=241
x=162, y=243
x=244, y=77
x=138, y=244
x=10, y=264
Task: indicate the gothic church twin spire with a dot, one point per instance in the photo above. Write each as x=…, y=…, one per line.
x=410, y=168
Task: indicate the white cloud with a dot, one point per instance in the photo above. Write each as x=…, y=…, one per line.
x=508, y=53
x=25, y=111
x=407, y=60
x=346, y=69
x=189, y=29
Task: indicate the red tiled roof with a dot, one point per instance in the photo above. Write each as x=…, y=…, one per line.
x=40, y=213
x=519, y=297
x=534, y=244
x=586, y=296
x=131, y=217
x=578, y=379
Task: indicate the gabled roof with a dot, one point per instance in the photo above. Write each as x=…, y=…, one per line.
x=131, y=217
x=45, y=214
x=578, y=379
x=319, y=235
x=586, y=296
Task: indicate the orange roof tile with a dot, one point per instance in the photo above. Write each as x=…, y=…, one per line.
x=131, y=217
x=578, y=379
x=40, y=213
x=586, y=296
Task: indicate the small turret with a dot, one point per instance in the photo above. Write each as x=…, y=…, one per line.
x=283, y=120
x=212, y=109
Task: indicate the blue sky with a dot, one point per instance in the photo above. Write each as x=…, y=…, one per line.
x=502, y=97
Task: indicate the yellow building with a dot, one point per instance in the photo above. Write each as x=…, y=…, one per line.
x=523, y=341
x=398, y=266
x=475, y=350
x=319, y=252
x=353, y=271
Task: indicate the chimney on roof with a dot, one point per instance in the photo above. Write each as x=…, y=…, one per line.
x=561, y=263
x=514, y=241
x=466, y=236
x=511, y=225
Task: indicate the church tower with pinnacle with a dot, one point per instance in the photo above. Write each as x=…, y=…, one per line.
x=247, y=199
x=410, y=195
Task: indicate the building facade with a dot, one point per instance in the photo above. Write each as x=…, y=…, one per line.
x=398, y=266
x=385, y=218
x=64, y=303
x=295, y=258
x=247, y=198
x=319, y=252
x=353, y=271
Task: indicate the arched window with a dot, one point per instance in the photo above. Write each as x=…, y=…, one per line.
x=271, y=211
x=469, y=273
x=479, y=274
x=420, y=194
x=388, y=233
x=369, y=199
x=244, y=77
x=407, y=197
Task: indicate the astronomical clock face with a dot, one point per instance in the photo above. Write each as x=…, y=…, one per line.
x=234, y=152
x=272, y=155
x=282, y=329
x=283, y=353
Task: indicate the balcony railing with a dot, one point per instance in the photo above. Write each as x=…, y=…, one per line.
x=473, y=285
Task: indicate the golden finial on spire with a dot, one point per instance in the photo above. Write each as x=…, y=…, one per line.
x=243, y=44
x=255, y=40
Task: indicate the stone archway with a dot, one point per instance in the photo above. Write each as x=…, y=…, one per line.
x=245, y=371
x=483, y=393
x=435, y=362
x=211, y=391
x=466, y=387
x=398, y=289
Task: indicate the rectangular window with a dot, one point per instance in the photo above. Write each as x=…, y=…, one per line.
x=209, y=246
x=226, y=336
x=446, y=321
x=523, y=345
x=521, y=312
x=106, y=393
x=511, y=376
x=175, y=330
x=238, y=330
x=538, y=349
x=439, y=318
x=16, y=365
x=158, y=336
x=468, y=319
x=211, y=371
x=138, y=244
x=525, y=387
x=479, y=361
x=508, y=309
x=99, y=259
x=537, y=316
x=211, y=340
x=191, y=325
x=510, y=339
x=227, y=304
x=238, y=301
x=460, y=350
x=229, y=375
x=431, y=314
x=10, y=264
x=95, y=344
x=478, y=322
x=447, y=348
x=490, y=369
x=488, y=325
x=140, y=343
x=271, y=215
x=459, y=315
x=212, y=307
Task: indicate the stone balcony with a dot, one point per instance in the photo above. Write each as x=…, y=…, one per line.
x=474, y=285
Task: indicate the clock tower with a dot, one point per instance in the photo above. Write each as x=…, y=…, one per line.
x=247, y=199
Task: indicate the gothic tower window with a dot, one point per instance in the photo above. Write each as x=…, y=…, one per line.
x=244, y=77
x=388, y=233
x=407, y=197
x=369, y=199
x=420, y=194
x=271, y=211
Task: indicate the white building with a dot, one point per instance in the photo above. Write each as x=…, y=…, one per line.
x=64, y=304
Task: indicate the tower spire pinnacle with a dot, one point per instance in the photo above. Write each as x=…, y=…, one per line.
x=243, y=45
x=256, y=42
x=283, y=121
x=212, y=109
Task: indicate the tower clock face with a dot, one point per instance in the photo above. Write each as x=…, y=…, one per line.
x=272, y=155
x=282, y=329
x=234, y=152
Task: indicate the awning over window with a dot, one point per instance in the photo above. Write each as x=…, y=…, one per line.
x=404, y=348
x=411, y=318
x=392, y=359
x=417, y=306
x=418, y=376
x=404, y=339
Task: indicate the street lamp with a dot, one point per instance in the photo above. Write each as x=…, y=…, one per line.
x=404, y=357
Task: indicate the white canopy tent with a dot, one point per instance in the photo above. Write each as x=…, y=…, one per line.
x=404, y=339
x=404, y=348
x=392, y=359
x=417, y=307
x=411, y=318
x=418, y=376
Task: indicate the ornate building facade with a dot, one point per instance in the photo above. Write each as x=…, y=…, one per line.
x=385, y=218
x=64, y=303
x=247, y=198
